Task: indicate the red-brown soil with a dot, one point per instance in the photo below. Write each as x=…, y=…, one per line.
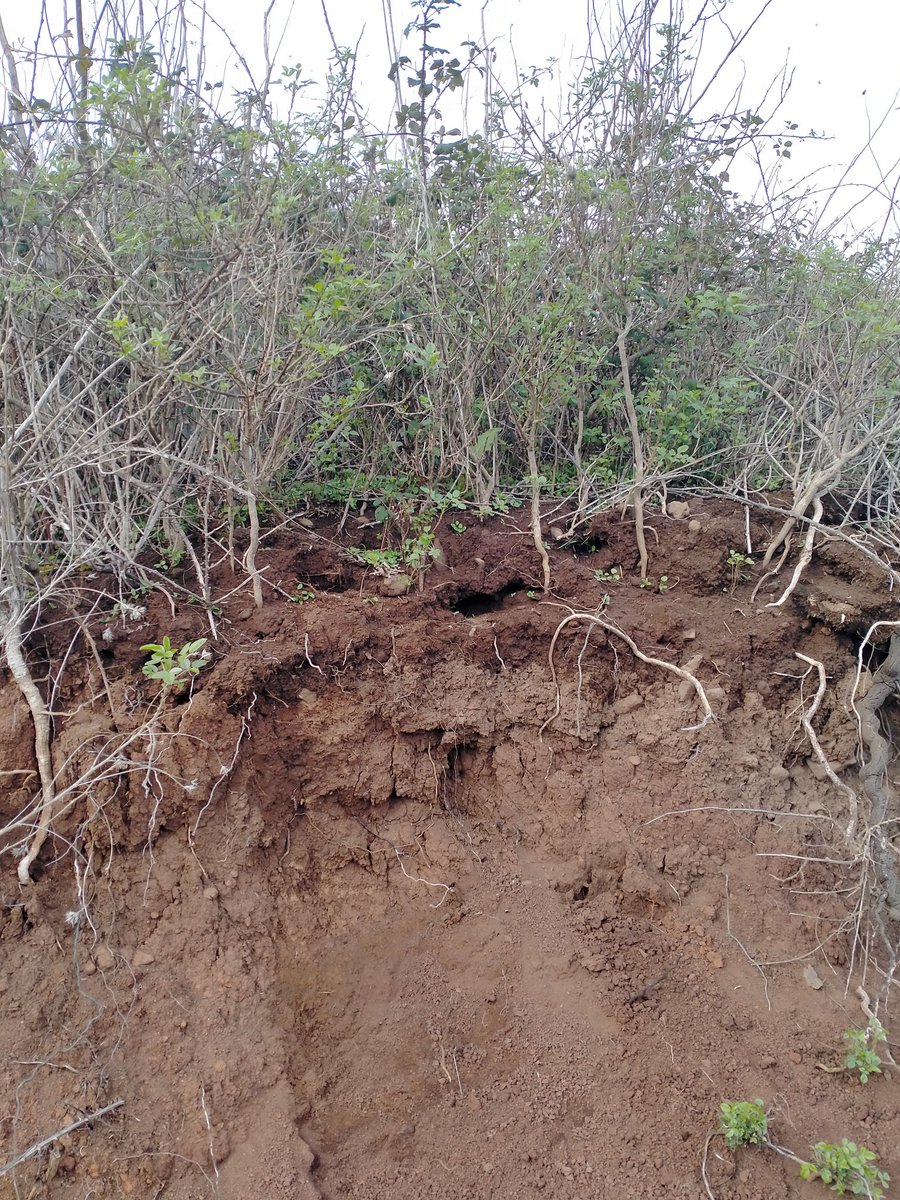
x=363, y=929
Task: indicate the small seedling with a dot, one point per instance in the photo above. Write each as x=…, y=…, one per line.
x=613, y=575
x=384, y=562
x=860, y=1054
x=172, y=666
x=663, y=583
x=532, y=594
x=457, y=527
x=170, y=558
x=847, y=1168
x=743, y=1123
x=735, y=562
x=301, y=595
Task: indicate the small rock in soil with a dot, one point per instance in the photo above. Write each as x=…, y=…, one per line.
x=104, y=958
x=812, y=979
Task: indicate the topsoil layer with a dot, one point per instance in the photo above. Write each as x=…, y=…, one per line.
x=360, y=917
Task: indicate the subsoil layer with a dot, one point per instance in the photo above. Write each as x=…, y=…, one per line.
x=358, y=916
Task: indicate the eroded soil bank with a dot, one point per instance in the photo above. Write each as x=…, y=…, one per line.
x=353, y=920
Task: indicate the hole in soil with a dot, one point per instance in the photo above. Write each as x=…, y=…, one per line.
x=476, y=604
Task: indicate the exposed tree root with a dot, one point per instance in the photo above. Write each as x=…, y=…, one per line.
x=12, y=644
x=874, y=775
x=806, y=719
x=708, y=714
x=805, y=554
x=772, y=570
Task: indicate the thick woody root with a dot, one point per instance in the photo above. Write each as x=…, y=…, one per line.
x=12, y=644
x=805, y=555
x=877, y=752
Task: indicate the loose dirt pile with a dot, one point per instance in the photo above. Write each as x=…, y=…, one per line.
x=351, y=920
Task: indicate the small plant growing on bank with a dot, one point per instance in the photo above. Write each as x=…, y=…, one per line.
x=743, y=1123
x=847, y=1168
x=613, y=575
x=457, y=527
x=170, y=665
x=170, y=557
x=861, y=1055
x=735, y=563
x=302, y=595
x=662, y=586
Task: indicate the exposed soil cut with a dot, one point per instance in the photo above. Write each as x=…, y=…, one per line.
x=365, y=930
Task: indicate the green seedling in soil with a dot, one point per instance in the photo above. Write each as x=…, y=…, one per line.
x=457, y=527
x=384, y=562
x=302, y=595
x=861, y=1055
x=613, y=575
x=735, y=562
x=743, y=1123
x=662, y=586
x=847, y=1168
x=170, y=665
x=170, y=558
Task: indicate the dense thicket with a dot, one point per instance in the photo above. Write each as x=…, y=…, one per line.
x=211, y=317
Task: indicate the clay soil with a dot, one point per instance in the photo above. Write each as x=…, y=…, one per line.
x=357, y=918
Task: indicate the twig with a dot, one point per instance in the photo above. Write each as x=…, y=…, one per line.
x=646, y=990
x=54, y=1137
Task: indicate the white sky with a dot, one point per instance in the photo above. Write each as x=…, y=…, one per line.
x=844, y=58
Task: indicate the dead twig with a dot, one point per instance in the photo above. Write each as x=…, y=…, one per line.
x=54, y=1137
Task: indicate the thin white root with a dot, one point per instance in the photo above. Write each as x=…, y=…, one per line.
x=805, y=554
x=806, y=720
x=448, y=888
x=12, y=644
x=687, y=676
x=710, y=1193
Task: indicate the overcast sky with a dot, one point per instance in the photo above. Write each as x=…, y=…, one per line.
x=844, y=59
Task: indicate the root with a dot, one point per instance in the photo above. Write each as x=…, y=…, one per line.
x=773, y=570
x=12, y=644
x=805, y=554
x=806, y=720
x=686, y=676
x=877, y=751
